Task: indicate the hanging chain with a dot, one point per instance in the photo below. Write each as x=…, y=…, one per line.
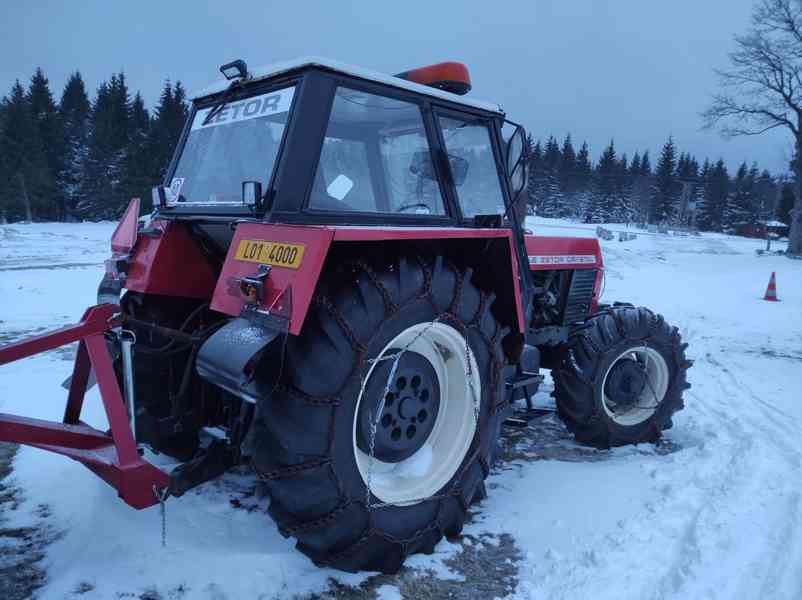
x=375, y=420
x=469, y=377
x=161, y=496
x=648, y=379
x=374, y=424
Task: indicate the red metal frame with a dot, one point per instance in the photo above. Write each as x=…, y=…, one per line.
x=317, y=240
x=112, y=455
x=170, y=263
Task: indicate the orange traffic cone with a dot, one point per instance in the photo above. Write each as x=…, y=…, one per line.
x=771, y=291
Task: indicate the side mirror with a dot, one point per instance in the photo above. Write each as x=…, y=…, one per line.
x=517, y=162
x=515, y=150
x=518, y=178
x=252, y=194
x=459, y=169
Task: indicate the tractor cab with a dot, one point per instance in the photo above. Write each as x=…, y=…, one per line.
x=313, y=141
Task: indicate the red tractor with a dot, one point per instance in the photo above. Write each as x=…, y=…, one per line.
x=336, y=288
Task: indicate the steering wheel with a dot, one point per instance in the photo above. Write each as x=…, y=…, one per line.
x=406, y=207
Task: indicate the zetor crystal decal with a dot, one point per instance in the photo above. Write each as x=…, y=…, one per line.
x=571, y=259
x=276, y=254
x=272, y=103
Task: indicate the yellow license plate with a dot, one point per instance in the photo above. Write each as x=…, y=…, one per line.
x=277, y=254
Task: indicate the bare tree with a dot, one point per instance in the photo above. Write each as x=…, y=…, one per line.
x=762, y=89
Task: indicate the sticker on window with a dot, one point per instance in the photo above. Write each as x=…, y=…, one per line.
x=272, y=103
x=175, y=188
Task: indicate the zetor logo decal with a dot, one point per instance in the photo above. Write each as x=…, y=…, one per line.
x=272, y=103
x=563, y=259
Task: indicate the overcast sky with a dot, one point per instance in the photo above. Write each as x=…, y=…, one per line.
x=635, y=70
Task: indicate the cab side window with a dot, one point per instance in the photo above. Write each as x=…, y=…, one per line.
x=375, y=158
x=473, y=166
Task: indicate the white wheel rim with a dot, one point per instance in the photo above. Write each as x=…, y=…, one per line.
x=653, y=392
x=424, y=473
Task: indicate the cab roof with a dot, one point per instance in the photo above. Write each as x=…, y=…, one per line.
x=279, y=68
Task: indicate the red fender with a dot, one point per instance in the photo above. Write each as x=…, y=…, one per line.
x=316, y=242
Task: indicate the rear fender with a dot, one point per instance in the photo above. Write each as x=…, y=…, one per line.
x=490, y=252
x=168, y=262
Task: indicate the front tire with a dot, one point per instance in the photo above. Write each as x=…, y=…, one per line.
x=621, y=377
x=312, y=442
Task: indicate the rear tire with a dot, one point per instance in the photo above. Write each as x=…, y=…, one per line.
x=621, y=377
x=306, y=444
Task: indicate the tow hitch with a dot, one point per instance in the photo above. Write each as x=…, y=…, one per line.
x=112, y=454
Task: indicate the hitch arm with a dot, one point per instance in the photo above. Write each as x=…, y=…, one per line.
x=112, y=454
x=96, y=320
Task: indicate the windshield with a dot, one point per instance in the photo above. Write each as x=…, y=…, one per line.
x=239, y=143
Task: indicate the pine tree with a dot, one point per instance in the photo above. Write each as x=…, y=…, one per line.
x=605, y=195
x=4, y=173
x=568, y=179
x=583, y=164
x=169, y=118
x=645, y=164
x=535, y=165
x=638, y=187
x=699, y=191
x=552, y=202
x=136, y=178
x=584, y=179
x=717, y=189
x=766, y=196
x=666, y=189
x=634, y=166
x=108, y=139
x=568, y=163
x=551, y=155
x=687, y=175
x=75, y=110
x=737, y=208
x=51, y=133
x=624, y=211
x=25, y=190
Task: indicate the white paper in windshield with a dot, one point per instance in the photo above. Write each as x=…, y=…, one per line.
x=272, y=103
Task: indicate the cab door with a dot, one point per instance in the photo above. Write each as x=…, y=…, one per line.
x=473, y=159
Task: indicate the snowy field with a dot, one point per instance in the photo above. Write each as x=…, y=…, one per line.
x=714, y=511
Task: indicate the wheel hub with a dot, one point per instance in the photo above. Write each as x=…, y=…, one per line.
x=625, y=384
x=410, y=407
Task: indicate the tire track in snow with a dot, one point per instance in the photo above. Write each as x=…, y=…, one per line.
x=778, y=568
x=729, y=499
x=711, y=484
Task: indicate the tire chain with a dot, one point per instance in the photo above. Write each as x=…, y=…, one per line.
x=333, y=401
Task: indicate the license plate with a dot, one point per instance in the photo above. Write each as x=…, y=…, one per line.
x=277, y=254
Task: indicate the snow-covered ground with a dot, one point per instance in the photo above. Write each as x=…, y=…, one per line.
x=715, y=511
